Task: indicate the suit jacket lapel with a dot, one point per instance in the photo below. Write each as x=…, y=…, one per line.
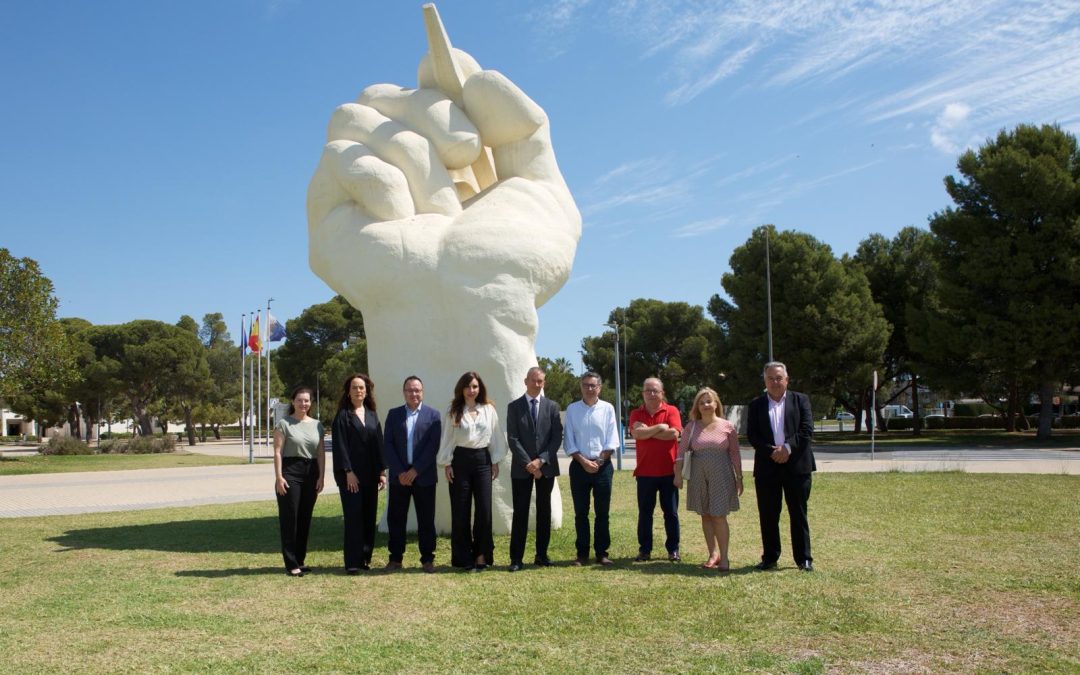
x=791, y=417
x=403, y=448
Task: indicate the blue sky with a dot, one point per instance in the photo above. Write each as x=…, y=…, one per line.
x=154, y=156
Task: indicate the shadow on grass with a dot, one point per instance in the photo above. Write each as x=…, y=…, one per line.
x=234, y=572
x=244, y=535
x=659, y=568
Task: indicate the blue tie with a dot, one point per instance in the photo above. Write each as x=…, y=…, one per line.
x=532, y=404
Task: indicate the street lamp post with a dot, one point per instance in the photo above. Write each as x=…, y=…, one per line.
x=768, y=292
x=618, y=398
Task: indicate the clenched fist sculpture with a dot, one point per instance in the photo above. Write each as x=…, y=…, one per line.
x=440, y=213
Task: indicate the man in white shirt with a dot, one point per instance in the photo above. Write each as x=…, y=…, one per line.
x=590, y=437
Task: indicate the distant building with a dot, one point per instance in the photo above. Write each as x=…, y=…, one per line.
x=14, y=424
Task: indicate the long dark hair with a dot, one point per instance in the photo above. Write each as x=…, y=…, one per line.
x=457, y=406
x=345, y=402
x=296, y=392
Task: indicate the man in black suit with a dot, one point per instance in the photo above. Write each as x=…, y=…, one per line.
x=412, y=436
x=780, y=426
x=534, y=434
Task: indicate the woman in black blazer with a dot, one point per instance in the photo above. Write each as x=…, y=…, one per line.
x=358, y=468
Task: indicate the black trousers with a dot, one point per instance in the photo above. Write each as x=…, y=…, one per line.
x=598, y=485
x=295, y=507
x=795, y=490
x=470, y=499
x=522, y=489
x=360, y=511
x=397, y=519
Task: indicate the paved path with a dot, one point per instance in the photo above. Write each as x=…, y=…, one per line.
x=88, y=492
x=49, y=494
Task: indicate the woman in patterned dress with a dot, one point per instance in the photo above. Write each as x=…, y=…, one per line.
x=716, y=479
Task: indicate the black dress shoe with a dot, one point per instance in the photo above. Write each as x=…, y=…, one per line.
x=479, y=567
x=764, y=566
x=305, y=569
x=806, y=566
x=674, y=557
x=352, y=571
x=542, y=562
x=642, y=557
x=516, y=567
x=604, y=561
x=295, y=574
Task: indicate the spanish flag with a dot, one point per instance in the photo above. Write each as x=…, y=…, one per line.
x=253, y=337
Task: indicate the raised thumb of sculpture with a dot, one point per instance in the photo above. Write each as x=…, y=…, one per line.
x=441, y=214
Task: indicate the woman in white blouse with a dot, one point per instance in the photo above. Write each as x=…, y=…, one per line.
x=472, y=447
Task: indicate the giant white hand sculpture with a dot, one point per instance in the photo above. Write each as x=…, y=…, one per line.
x=441, y=214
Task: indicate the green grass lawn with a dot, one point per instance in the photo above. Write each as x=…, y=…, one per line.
x=15, y=466
x=916, y=573
x=952, y=438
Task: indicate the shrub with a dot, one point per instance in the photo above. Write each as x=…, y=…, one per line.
x=899, y=423
x=140, y=445
x=972, y=409
x=964, y=423
x=66, y=445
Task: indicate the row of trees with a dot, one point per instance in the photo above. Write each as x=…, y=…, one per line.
x=68, y=370
x=142, y=370
x=986, y=303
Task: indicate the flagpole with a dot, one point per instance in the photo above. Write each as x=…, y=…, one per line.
x=243, y=354
x=251, y=407
x=258, y=360
x=268, y=430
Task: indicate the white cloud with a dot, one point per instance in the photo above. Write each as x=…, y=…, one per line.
x=1010, y=60
x=950, y=124
x=698, y=228
x=755, y=170
x=654, y=183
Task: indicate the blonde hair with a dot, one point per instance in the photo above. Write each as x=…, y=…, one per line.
x=695, y=415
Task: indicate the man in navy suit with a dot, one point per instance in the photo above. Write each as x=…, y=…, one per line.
x=534, y=433
x=779, y=426
x=412, y=434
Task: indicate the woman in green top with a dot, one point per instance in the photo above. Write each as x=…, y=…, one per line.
x=299, y=463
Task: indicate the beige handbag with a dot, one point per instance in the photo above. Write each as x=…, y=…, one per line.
x=686, y=457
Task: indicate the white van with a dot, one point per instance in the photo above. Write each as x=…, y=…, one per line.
x=896, y=411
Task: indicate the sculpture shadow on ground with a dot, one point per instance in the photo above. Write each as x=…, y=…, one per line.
x=242, y=535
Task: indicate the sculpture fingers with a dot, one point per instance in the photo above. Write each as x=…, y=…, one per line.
x=430, y=185
x=501, y=111
x=517, y=130
x=431, y=114
x=377, y=187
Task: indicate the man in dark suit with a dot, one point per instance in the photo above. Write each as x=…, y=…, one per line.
x=534, y=434
x=780, y=426
x=412, y=435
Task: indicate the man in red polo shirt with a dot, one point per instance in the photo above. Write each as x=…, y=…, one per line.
x=656, y=426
